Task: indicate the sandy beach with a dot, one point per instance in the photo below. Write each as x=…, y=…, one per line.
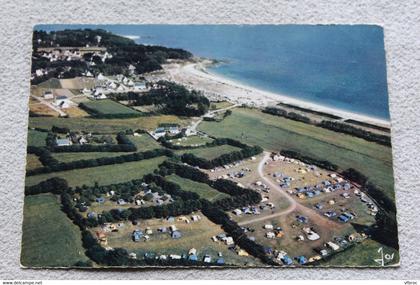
x=196, y=75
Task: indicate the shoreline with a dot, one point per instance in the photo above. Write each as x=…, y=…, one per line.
x=197, y=76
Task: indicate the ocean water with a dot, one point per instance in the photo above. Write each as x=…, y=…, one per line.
x=340, y=66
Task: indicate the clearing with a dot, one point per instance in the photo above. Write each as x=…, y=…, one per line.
x=49, y=237
x=202, y=189
x=210, y=152
x=104, y=175
x=108, y=107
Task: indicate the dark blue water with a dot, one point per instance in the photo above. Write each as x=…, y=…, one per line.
x=337, y=66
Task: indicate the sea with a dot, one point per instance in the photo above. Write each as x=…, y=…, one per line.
x=339, y=66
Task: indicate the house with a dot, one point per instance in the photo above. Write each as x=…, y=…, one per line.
x=176, y=235
x=173, y=130
x=148, y=231
x=174, y=256
x=63, y=142
x=137, y=235
x=172, y=228
x=220, y=261
x=140, y=86
x=132, y=255
x=48, y=94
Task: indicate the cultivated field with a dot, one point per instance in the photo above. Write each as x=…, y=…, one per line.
x=104, y=175
x=32, y=161
x=144, y=142
x=49, y=238
x=73, y=156
x=36, y=138
x=108, y=107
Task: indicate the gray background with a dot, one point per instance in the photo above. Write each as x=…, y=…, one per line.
x=400, y=20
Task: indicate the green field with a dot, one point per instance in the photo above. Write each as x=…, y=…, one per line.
x=73, y=156
x=202, y=189
x=253, y=127
x=144, y=142
x=49, y=237
x=36, y=138
x=192, y=140
x=108, y=107
x=106, y=126
x=210, y=152
x=104, y=175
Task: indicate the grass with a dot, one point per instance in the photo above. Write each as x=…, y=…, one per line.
x=202, y=189
x=192, y=140
x=104, y=175
x=274, y=133
x=194, y=235
x=109, y=107
x=144, y=142
x=106, y=126
x=49, y=238
x=363, y=255
x=210, y=152
x=73, y=156
x=36, y=138
x=32, y=161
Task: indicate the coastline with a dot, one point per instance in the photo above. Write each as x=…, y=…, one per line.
x=196, y=75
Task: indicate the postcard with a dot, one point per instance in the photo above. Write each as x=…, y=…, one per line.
x=209, y=146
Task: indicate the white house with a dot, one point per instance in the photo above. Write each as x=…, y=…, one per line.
x=139, y=86
x=48, y=95
x=63, y=142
